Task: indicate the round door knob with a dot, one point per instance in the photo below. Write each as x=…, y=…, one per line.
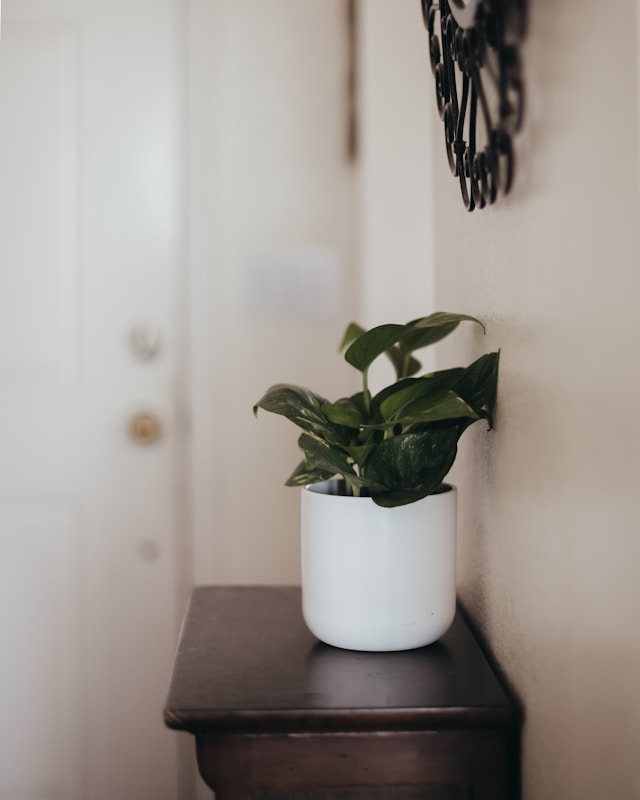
x=145, y=428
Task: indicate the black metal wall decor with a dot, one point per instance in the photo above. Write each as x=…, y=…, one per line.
x=475, y=58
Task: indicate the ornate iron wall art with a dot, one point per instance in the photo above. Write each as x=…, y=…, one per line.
x=476, y=61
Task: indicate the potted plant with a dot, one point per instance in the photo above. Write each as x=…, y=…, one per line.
x=378, y=542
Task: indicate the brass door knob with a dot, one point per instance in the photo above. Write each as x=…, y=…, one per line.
x=145, y=429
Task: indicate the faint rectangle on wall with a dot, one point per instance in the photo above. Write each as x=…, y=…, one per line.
x=40, y=658
x=305, y=283
x=38, y=201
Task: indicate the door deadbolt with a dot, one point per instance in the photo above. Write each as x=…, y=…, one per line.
x=145, y=428
x=145, y=342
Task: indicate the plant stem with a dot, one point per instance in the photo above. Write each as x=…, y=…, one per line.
x=366, y=394
x=405, y=366
x=352, y=488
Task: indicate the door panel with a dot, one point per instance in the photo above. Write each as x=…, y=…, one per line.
x=90, y=250
x=41, y=595
x=38, y=215
x=42, y=752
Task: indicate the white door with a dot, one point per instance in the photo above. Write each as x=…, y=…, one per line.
x=91, y=253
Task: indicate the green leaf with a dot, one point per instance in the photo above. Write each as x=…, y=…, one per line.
x=413, y=464
x=344, y=412
x=429, y=406
x=446, y=378
x=321, y=455
x=322, y=458
x=298, y=404
x=352, y=332
x=302, y=475
x=416, y=334
x=401, y=497
x=403, y=363
x=426, y=399
x=364, y=350
x=450, y=406
x=304, y=408
x=406, y=393
x=388, y=391
x=478, y=384
x=431, y=329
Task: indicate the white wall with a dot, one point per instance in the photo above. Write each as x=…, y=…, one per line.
x=269, y=175
x=550, y=508
x=395, y=199
x=395, y=191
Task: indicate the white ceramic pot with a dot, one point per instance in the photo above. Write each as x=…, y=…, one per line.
x=378, y=579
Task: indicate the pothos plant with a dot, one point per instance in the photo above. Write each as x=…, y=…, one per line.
x=398, y=445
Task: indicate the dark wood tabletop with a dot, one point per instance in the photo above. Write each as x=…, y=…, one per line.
x=246, y=662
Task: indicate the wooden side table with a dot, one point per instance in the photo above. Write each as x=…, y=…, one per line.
x=278, y=715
